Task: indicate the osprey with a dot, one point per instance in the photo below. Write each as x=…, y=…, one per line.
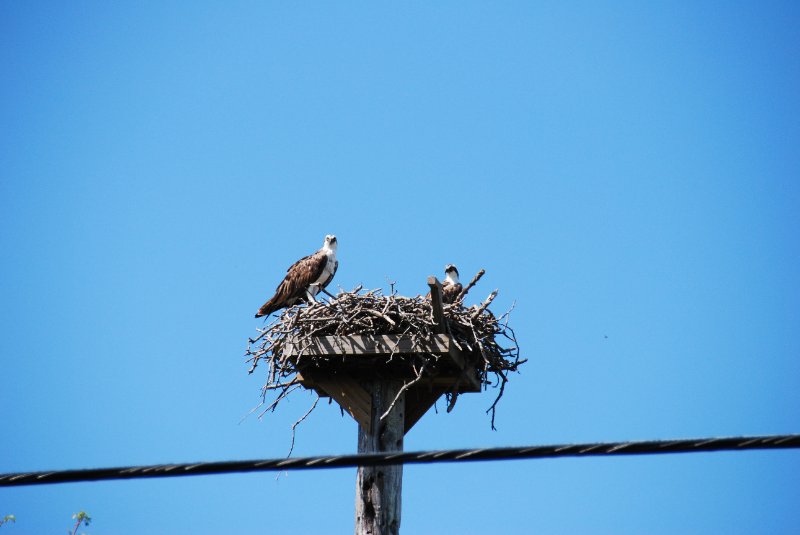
x=450, y=287
x=305, y=278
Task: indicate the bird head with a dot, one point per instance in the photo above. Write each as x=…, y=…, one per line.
x=330, y=242
x=451, y=272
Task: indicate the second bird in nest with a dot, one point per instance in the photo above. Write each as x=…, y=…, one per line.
x=451, y=286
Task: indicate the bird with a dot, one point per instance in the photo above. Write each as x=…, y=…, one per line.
x=305, y=278
x=451, y=287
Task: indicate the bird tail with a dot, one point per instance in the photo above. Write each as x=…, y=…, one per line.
x=266, y=309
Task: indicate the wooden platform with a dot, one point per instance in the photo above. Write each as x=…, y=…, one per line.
x=351, y=363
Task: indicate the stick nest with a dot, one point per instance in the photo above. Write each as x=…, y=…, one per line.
x=487, y=340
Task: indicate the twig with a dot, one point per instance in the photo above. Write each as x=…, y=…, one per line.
x=402, y=390
x=453, y=396
x=485, y=304
x=251, y=411
x=294, y=425
x=463, y=293
x=493, y=408
x=377, y=314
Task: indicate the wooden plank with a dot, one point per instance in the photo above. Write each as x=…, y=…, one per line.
x=436, y=304
x=419, y=400
x=347, y=392
x=469, y=375
x=309, y=383
x=311, y=386
x=465, y=384
x=457, y=357
x=444, y=382
x=369, y=345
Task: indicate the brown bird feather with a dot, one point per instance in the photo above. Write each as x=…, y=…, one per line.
x=299, y=277
x=449, y=290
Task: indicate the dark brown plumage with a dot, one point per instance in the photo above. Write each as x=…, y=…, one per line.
x=450, y=291
x=304, y=279
x=451, y=287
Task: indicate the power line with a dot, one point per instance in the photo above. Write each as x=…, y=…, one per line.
x=374, y=459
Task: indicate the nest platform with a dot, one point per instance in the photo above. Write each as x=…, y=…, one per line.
x=340, y=348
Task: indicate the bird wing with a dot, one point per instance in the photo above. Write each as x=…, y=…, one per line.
x=298, y=277
x=450, y=292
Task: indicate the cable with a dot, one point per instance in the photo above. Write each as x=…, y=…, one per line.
x=375, y=459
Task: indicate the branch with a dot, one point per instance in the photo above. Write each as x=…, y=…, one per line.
x=469, y=286
x=405, y=387
x=294, y=426
x=485, y=304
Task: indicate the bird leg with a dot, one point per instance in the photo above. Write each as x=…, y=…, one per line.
x=310, y=295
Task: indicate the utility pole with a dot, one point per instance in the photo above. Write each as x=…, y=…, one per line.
x=384, y=402
x=379, y=488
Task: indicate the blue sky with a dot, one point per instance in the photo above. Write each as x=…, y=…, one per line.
x=627, y=174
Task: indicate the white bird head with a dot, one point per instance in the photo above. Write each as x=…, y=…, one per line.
x=451, y=272
x=330, y=242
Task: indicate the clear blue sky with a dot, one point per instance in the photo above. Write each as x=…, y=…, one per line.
x=628, y=173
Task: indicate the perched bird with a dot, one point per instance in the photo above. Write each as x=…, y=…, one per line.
x=450, y=287
x=305, y=278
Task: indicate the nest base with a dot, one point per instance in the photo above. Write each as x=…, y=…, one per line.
x=347, y=347
x=344, y=367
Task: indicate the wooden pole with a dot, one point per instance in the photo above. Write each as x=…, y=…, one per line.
x=379, y=488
